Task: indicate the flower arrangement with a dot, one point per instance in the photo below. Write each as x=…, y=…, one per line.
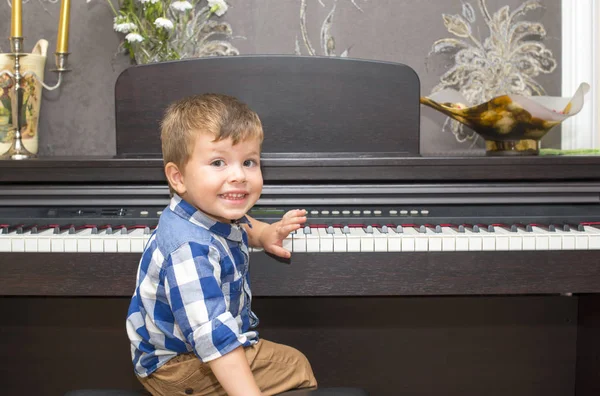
x=164, y=30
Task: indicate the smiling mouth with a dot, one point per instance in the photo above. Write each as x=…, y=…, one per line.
x=233, y=197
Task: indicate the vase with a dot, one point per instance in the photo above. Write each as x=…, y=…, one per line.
x=33, y=62
x=509, y=124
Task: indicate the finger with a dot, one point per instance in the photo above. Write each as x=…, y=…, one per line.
x=285, y=229
x=295, y=213
x=294, y=216
x=293, y=220
x=279, y=251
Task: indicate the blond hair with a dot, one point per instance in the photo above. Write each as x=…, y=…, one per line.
x=222, y=116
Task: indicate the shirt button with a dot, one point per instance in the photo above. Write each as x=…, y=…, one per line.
x=189, y=391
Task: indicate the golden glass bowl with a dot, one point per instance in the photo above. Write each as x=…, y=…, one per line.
x=509, y=124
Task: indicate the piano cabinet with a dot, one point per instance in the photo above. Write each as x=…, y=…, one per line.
x=460, y=323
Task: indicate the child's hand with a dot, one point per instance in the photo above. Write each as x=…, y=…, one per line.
x=272, y=236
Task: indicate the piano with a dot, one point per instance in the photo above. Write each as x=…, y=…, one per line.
x=509, y=245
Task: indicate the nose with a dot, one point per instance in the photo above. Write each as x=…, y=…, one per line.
x=237, y=174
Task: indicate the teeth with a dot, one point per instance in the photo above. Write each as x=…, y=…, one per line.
x=234, y=195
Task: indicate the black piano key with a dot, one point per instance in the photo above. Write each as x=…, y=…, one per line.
x=44, y=227
x=518, y=226
x=545, y=227
x=107, y=228
x=16, y=228
x=33, y=229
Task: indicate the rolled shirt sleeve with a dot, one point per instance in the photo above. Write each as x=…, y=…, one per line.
x=195, y=293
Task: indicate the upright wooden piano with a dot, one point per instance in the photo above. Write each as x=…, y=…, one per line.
x=413, y=276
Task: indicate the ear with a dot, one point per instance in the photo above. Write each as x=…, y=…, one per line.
x=175, y=178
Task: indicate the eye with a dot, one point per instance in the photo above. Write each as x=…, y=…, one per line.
x=217, y=163
x=250, y=163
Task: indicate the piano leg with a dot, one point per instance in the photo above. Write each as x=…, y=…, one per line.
x=588, y=346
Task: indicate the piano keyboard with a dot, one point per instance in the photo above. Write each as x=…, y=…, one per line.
x=322, y=238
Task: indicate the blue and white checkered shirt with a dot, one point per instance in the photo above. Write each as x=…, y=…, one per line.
x=192, y=292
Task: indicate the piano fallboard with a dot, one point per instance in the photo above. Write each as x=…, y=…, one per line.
x=330, y=167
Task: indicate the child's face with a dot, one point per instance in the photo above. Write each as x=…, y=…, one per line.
x=221, y=179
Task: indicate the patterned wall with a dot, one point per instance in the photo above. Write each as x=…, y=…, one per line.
x=78, y=119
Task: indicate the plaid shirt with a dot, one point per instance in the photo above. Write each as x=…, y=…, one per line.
x=192, y=291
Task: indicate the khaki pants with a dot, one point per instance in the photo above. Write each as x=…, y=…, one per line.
x=276, y=368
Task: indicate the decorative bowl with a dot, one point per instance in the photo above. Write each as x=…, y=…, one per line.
x=509, y=124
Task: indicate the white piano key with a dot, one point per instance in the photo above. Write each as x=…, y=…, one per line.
x=488, y=240
x=394, y=240
x=407, y=237
x=380, y=241
x=138, y=240
x=448, y=239
x=110, y=242
x=515, y=239
x=568, y=239
x=17, y=242
x=325, y=240
x=57, y=242
x=340, y=241
x=434, y=240
x=502, y=239
x=44, y=240
x=367, y=243
x=123, y=243
x=527, y=239
x=70, y=244
x=542, y=238
x=581, y=240
x=477, y=241
x=420, y=240
x=5, y=245
x=461, y=241
x=299, y=241
x=312, y=240
x=593, y=237
x=31, y=242
x=83, y=240
x=352, y=240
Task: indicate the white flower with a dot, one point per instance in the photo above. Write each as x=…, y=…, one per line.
x=219, y=7
x=163, y=23
x=181, y=6
x=121, y=25
x=134, y=38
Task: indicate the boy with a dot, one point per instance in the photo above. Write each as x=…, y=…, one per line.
x=190, y=323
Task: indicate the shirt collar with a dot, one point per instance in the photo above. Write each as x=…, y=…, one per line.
x=188, y=212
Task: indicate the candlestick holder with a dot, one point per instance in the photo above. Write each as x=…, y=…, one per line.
x=17, y=150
